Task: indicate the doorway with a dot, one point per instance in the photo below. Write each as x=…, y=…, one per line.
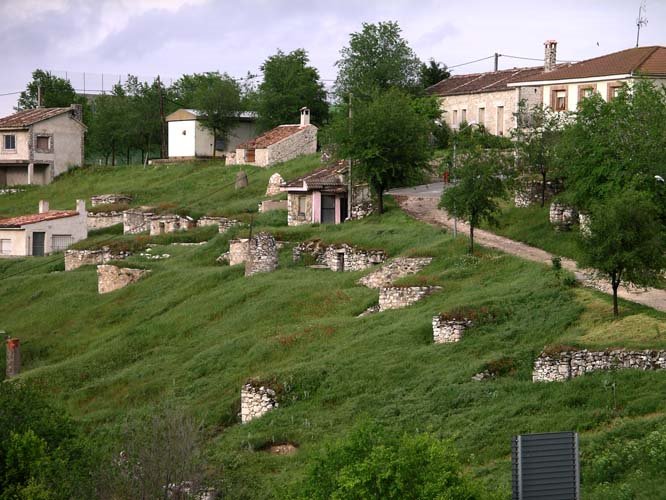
x=327, y=209
x=38, y=244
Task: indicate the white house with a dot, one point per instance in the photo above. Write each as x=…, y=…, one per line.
x=43, y=233
x=37, y=145
x=189, y=139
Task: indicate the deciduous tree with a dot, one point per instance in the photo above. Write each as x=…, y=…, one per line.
x=433, y=72
x=56, y=92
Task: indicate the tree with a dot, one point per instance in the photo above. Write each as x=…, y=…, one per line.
x=388, y=138
x=626, y=240
x=371, y=463
x=108, y=132
x=479, y=181
x=536, y=137
x=377, y=59
x=289, y=84
x=56, y=92
x=432, y=73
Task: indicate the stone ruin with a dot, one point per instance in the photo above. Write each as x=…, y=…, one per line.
x=222, y=223
x=562, y=217
x=137, y=220
x=13, y=362
x=161, y=224
x=256, y=401
x=445, y=330
x=110, y=278
x=77, y=258
x=100, y=220
x=241, y=180
x=339, y=257
x=529, y=193
x=565, y=365
x=274, y=184
x=398, y=297
x=393, y=270
x=269, y=205
x=109, y=199
x=262, y=255
x=238, y=252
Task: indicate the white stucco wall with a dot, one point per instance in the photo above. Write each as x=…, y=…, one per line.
x=22, y=152
x=181, y=135
x=198, y=140
x=67, y=143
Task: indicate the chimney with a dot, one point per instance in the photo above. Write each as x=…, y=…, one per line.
x=13, y=365
x=77, y=111
x=43, y=206
x=81, y=207
x=305, y=117
x=550, y=55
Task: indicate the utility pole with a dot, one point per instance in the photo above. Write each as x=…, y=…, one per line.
x=496, y=61
x=39, y=95
x=455, y=219
x=350, y=194
x=163, y=151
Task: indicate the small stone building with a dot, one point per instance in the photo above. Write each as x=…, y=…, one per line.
x=160, y=224
x=322, y=197
x=137, y=220
x=43, y=233
x=37, y=145
x=280, y=144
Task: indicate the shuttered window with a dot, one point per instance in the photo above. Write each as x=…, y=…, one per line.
x=5, y=247
x=61, y=242
x=9, y=142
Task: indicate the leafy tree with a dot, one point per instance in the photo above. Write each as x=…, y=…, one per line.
x=56, y=92
x=377, y=59
x=388, y=140
x=479, y=181
x=536, y=137
x=373, y=464
x=626, y=240
x=108, y=131
x=289, y=84
x=432, y=73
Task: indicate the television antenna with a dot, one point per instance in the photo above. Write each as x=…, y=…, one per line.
x=641, y=20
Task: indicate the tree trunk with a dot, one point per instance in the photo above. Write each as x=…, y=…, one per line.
x=543, y=188
x=615, y=283
x=471, y=238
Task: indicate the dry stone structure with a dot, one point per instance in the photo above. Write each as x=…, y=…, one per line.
x=100, y=220
x=274, y=184
x=160, y=224
x=13, y=362
x=256, y=401
x=268, y=205
x=77, y=258
x=223, y=223
x=110, y=278
x=241, y=180
x=448, y=330
x=562, y=217
x=584, y=224
x=529, y=193
x=339, y=257
x=136, y=220
x=398, y=297
x=557, y=367
x=109, y=199
x=393, y=270
x=262, y=255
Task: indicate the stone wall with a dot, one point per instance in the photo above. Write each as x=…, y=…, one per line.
x=569, y=364
x=110, y=278
x=100, y=220
x=397, y=297
x=13, y=361
x=263, y=255
x=362, y=205
x=529, y=193
x=77, y=258
x=274, y=184
x=223, y=223
x=256, y=401
x=393, y=270
x=108, y=199
x=562, y=217
x=339, y=257
x=161, y=224
x=294, y=218
x=584, y=224
x=136, y=221
x=446, y=331
x=302, y=143
x=268, y=205
x=238, y=251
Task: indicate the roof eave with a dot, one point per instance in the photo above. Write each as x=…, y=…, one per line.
x=561, y=81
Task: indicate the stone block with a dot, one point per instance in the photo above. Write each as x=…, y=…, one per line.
x=400, y=297
x=446, y=331
x=110, y=278
x=256, y=401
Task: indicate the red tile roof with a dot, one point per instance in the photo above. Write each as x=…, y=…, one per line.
x=17, y=222
x=639, y=60
x=329, y=177
x=27, y=117
x=476, y=83
x=271, y=137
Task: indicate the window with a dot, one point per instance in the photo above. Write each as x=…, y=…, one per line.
x=463, y=116
x=9, y=142
x=454, y=120
x=482, y=116
x=60, y=242
x=301, y=206
x=559, y=100
x=613, y=91
x=5, y=247
x=43, y=143
x=500, y=120
x=585, y=92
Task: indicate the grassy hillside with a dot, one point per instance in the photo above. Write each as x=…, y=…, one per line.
x=194, y=331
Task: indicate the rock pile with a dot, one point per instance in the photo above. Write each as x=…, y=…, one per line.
x=256, y=401
x=448, y=330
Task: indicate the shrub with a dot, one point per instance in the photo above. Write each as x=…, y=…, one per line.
x=500, y=367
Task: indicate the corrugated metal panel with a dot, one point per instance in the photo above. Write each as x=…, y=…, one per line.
x=545, y=466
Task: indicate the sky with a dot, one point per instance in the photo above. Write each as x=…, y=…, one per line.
x=174, y=37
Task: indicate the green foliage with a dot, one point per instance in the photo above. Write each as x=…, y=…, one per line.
x=376, y=59
x=388, y=139
x=432, y=73
x=289, y=84
x=479, y=182
x=56, y=92
x=372, y=463
x=470, y=136
x=627, y=242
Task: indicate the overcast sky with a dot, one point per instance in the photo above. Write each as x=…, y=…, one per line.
x=173, y=37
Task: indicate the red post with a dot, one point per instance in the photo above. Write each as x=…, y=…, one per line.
x=13, y=358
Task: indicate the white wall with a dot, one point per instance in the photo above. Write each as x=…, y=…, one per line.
x=181, y=138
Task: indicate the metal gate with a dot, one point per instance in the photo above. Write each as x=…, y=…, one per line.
x=328, y=209
x=61, y=242
x=38, y=244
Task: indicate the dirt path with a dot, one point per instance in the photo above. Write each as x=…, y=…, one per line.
x=424, y=207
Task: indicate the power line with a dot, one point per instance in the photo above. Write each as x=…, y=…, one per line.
x=470, y=62
x=11, y=93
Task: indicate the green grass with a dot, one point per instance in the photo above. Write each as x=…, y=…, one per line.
x=194, y=331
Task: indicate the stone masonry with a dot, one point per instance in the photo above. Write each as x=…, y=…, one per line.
x=263, y=255
x=339, y=257
x=529, y=193
x=108, y=199
x=100, y=220
x=393, y=270
x=446, y=331
x=77, y=258
x=160, y=224
x=269, y=205
x=13, y=361
x=584, y=224
x=136, y=221
x=274, y=184
x=398, y=297
x=223, y=223
x=562, y=217
x=256, y=401
x=110, y=278
x=569, y=364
